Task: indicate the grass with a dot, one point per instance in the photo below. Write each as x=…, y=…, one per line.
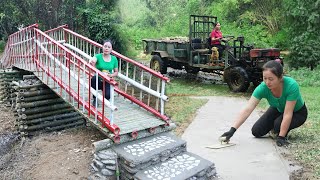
x=182, y=111
x=182, y=107
x=305, y=139
x=180, y=92
x=187, y=87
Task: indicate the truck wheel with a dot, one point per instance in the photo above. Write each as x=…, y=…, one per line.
x=237, y=79
x=192, y=70
x=158, y=64
x=256, y=83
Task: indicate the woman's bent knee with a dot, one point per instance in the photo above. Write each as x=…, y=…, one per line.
x=256, y=132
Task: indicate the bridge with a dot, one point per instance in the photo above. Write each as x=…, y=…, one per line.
x=60, y=59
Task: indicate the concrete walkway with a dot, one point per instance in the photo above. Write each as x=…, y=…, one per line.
x=249, y=159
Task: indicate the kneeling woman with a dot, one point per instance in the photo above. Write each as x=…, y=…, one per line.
x=106, y=63
x=287, y=108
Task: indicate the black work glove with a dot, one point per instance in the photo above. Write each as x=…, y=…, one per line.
x=228, y=134
x=281, y=141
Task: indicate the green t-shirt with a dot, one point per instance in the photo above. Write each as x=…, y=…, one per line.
x=109, y=66
x=290, y=92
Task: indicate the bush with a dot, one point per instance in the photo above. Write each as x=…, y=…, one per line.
x=303, y=21
x=305, y=51
x=2, y=46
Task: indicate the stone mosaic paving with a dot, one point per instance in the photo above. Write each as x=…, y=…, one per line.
x=147, y=146
x=170, y=169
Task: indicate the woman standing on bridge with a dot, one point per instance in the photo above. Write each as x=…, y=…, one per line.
x=287, y=108
x=106, y=63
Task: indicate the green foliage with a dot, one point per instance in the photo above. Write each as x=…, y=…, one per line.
x=305, y=51
x=8, y=18
x=2, y=45
x=144, y=22
x=258, y=21
x=304, y=34
x=197, y=7
x=162, y=12
x=305, y=77
x=263, y=12
x=153, y=21
x=47, y=13
x=100, y=22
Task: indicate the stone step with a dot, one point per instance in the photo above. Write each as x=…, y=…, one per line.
x=186, y=166
x=142, y=153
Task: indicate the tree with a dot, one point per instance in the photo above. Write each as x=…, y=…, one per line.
x=100, y=21
x=304, y=35
x=8, y=18
x=47, y=13
x=265, y=12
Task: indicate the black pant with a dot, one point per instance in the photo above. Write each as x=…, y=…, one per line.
x=100, y=84
x=272, y=119
x=220, y=49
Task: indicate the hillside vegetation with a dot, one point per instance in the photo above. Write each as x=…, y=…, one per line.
x=290, y=25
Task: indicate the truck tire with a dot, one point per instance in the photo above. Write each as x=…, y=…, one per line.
x=158, y=64
x=256, y=82
x=192, y=70
x=237, y=79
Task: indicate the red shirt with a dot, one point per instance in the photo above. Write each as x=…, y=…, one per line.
x=215, y=34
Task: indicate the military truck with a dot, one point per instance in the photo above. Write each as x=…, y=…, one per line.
x=240, y=64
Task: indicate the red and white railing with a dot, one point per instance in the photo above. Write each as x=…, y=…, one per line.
x=138, y=83
x=57, y=66
x=60, y=59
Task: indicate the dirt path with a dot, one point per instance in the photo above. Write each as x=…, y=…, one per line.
x=63, y=155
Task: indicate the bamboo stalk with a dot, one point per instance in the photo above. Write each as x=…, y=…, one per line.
x=29, y=77
x=30, y=86
x=77, y=123
x=49, y=118
x=45, y=114
x=35, y=93
x=37, y=104
x=71, y=125
x=43, y=109
x=14, y=72
x=36, y=98
x=9, y=80
x=50, y=124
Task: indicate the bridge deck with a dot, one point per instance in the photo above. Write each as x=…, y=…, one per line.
x=129, y=117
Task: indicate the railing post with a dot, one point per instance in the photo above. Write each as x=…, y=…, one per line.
x=96, y=96
x=163, y=88
x=111, y=102
x=83, y=86
x=69, y=73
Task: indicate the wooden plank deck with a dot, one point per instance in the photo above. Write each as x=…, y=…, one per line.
x=129, y=117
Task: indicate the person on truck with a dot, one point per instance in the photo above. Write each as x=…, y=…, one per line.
x=216, y=37
x=106, y=63
x=287, y=108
